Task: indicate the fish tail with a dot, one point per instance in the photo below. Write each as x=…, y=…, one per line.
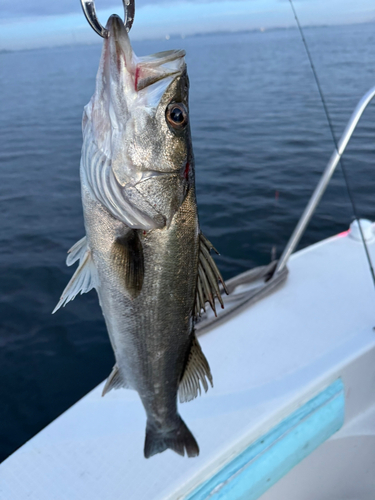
x=179, y=440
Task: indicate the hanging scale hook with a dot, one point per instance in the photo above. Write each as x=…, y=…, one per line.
x=88, y=7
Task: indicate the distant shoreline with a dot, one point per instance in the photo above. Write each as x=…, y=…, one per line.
x=189, y=36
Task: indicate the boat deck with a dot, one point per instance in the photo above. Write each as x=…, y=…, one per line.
x=268, y=362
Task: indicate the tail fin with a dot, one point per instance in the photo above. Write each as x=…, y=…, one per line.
x=178, y=440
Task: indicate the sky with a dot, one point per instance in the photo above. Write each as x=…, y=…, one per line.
x=39, y=23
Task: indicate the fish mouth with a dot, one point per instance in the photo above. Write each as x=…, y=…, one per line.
x=143, y=71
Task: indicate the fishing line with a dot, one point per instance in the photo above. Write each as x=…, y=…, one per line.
x=343, y=169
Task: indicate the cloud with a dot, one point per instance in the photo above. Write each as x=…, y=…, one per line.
x=157, y=19
x=28, y=8
x=25, y=8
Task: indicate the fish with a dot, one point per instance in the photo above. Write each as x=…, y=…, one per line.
x=144, y=251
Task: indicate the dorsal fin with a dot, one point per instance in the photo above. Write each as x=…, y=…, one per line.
x=208, y=278
x=84, y=279
x=197, y=372
x=114, y=381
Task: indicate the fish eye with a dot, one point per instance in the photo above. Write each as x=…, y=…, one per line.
x=176, y=115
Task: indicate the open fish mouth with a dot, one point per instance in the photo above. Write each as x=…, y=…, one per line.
x=130, y=147
x=142, y=72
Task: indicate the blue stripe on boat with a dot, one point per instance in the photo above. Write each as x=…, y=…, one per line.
x=273, y=455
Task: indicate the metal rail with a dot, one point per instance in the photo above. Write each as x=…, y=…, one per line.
x=253, y=285
x=326, y=177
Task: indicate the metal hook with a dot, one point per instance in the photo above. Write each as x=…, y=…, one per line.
x=88, y=7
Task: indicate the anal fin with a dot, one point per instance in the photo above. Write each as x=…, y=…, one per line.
x=197, y=372
x=208, y=278
x=114, y=381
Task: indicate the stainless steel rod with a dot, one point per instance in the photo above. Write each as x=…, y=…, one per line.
x=324, y=180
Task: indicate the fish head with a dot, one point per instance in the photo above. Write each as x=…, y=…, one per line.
x=139, y=117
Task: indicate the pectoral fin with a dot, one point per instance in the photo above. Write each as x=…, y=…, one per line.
x=84, y=279
x=208, y=278
x=128, y=254
x=197, y=372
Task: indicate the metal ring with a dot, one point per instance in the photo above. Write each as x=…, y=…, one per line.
x=88, y=7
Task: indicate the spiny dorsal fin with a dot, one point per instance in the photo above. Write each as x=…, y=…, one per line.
x=197, y=372
x=208, y=278
x=84, y=279
x=114, y=381
x=128, y=252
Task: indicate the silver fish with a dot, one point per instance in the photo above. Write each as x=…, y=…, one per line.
x=143, y=251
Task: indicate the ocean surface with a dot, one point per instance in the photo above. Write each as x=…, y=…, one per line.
x=260, y=139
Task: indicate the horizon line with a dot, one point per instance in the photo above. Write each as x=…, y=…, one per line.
x=168, y=37
x=185, y=18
